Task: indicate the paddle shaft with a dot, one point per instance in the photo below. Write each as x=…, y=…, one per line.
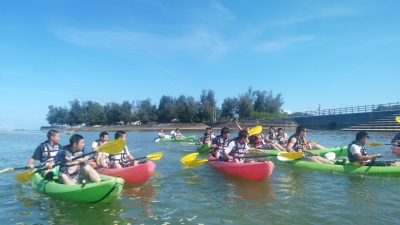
x=89, y=153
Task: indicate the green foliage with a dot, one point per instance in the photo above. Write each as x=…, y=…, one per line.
x=258, y=104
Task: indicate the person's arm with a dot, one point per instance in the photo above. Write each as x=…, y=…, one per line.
x=290, y=145
x=94, y=146
x=228, y=149
x=214, y=143
x=256, y=150
x=237, y=124
x=101, y=161
x=98, y=158
x=366, y=157
x=56, y=159
x=36, y=156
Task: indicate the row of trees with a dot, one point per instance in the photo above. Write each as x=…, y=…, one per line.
x=256, y=104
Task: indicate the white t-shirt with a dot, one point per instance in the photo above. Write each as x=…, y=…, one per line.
x=96, y=145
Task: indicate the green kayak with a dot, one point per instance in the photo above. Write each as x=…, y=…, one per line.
x=105, y=191
x=183, y=139
x=204, y=148
x=346, y=168
x=339, y=151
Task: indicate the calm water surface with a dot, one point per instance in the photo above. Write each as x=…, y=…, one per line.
x=175, y=195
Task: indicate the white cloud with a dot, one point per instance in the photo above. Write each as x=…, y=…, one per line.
x=269, y=46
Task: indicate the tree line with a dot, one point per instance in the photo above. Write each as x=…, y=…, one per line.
x=255, y=104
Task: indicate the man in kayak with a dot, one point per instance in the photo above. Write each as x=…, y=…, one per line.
x=96, y=145
x=358, y=156
x=220, y=143
x=238, y=147
x=74, y=171
x=124, y=158
x=396, y=138
x=295, y=144
x=46, y=151
x=282, y=138
x=207, y=138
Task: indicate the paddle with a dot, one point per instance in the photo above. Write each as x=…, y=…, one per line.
x=18, y=168
x=111, y=147
x=255, y=130
x=374, y=144
x=153, y=156
x=188, y=157
x=398, y=119
x=199, y=162
x=328, y=155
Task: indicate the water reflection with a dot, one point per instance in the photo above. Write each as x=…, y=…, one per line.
x=140, y=196
x=241, y=189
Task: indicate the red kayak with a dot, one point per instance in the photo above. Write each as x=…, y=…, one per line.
x=252, y=171
x=395, y=150
x=133, y=174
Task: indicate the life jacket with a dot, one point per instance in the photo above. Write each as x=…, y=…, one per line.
x=177, y=134
x=49, y=152
x=299, y=145
x=239, y=150
x=222, y=144
x=71, y=168
x=271, y=136
x=207, y=138
x=279, y=136
x=119, y=157
x=258, y=141
x=98, y=145
x=352, y=158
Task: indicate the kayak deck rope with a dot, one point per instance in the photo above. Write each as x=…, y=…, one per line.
x=109, y=192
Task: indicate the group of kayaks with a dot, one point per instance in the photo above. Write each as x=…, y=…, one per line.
x=262, y=170
x=171, y=139
x=106, y=191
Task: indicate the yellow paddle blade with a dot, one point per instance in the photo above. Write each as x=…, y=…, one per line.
x=112, y=147
x=398, y=119
x=191, y=156
x=5, y=170
x=195, y=163
x=24, y=176
x=155, y=156
x=291, y=155
x=374, y=144
x=255, y=130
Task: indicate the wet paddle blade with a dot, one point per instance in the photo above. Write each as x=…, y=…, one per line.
x=157, y=140
x=398, y=119
x=195, y=163
x=374, y=144
x=112, y=147
x=155, y=156
x=330, y=155
x=291, y=155
x=255, y=130
x=191, y=156
x=24, y=176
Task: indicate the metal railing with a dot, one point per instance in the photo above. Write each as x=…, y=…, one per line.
x=349, y=110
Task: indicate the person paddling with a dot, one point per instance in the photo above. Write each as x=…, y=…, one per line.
x=358, y=156
x=295, y=144
x=76, y=171
x=271, y=138
x=46, y=151
x=119, y=160
x=282, y=138
x=177, y=134
x=220, y=143
x=96, y=145
x=238, y=147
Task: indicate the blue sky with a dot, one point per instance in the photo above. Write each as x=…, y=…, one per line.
x=333, y=53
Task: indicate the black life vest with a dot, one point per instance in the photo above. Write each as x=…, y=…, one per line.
x=353, y=158
x=239, y=150
x=71, y=168
x=119, y=157
x=299, y=145
x=49, y=152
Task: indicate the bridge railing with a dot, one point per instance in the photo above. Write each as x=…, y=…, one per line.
x=349, y=110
